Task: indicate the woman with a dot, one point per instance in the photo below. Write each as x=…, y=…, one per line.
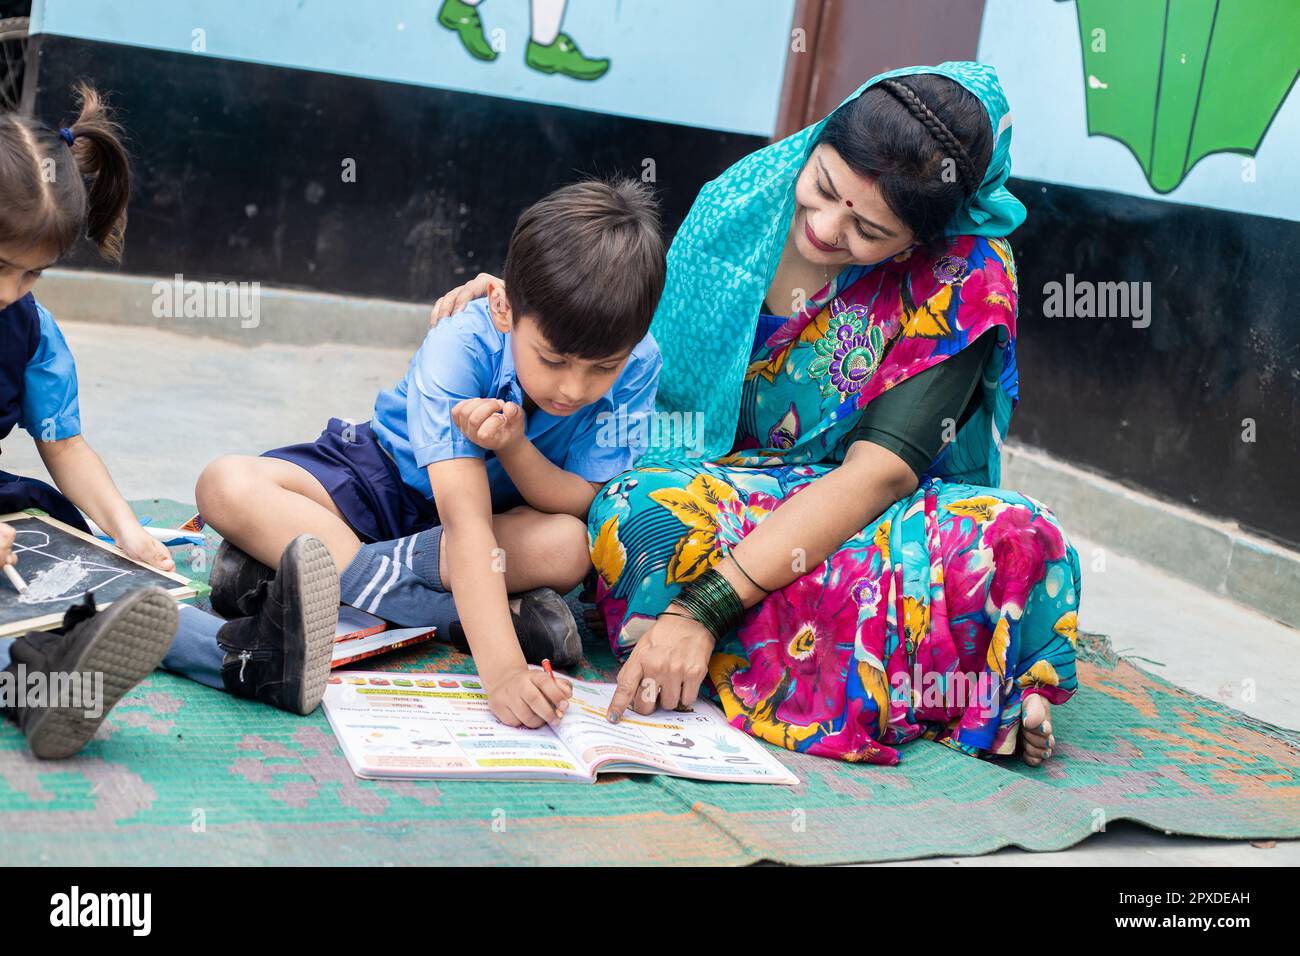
x=831, y=555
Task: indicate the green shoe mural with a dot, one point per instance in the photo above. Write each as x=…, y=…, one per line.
x=563, y=56
x=464, y=20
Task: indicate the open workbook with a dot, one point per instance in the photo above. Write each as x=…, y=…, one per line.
x=359, y=635
x=418, y=726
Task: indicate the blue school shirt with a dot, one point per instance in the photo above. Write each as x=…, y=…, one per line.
x=466, y=356
x=38, y=377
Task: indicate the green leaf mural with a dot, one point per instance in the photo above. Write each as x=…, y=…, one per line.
x=1177, y=80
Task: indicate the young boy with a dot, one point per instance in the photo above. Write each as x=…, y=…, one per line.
x=469, y=485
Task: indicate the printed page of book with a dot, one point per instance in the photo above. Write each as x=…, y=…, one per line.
x=701, y=745
x=394, y=725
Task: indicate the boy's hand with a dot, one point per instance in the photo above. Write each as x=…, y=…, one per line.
x=489, y=422
x=529, y=697
x=7, y=535
x=461, y=296
x=142, y=546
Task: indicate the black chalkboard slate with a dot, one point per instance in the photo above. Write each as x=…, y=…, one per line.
x=60, y=565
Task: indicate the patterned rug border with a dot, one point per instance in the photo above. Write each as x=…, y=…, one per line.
x=977, y=807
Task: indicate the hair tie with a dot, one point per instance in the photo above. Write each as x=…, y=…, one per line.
x=68, y=135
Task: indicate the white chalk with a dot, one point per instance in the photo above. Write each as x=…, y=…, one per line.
x=168, y=535
x=15, y=578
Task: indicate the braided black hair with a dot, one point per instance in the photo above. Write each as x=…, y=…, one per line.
x=942, y=134
x=900, y=133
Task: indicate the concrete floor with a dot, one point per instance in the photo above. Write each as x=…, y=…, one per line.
x=158, y=406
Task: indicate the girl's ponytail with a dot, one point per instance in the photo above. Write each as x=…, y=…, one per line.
x=101, y=158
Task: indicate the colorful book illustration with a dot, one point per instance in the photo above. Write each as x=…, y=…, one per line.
x=359, y=635
x=438, y=726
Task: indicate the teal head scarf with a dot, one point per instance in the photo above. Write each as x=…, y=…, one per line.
x=724, y=256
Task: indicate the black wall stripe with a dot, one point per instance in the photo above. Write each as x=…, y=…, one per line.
x=239, y=168
x=1162, y=408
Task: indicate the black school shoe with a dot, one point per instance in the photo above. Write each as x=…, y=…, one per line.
x=236, y=580
x=123, y=642
x=544, y=625
x=281, y=654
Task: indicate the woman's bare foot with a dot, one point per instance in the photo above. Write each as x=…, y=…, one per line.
x=1037, y=740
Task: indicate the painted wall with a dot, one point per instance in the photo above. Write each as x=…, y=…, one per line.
x=716, y=65
x=240, y=147
x=1155, y=143
x=1131, y=160
x=1103, y=80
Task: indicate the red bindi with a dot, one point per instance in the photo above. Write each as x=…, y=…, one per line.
x=849, y=203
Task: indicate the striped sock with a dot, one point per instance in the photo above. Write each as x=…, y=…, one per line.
x=382, y=580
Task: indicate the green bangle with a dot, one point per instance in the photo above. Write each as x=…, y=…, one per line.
x=713, y=602
x=686, y=617
x=741, y=569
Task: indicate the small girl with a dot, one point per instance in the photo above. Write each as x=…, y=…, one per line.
x=45, y=207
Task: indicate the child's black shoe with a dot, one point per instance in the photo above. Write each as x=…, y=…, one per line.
x=123, y=643
x=544, y=625
x=235, y=581
x=281, y=655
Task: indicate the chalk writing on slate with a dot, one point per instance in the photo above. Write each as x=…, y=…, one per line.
x=62, y=566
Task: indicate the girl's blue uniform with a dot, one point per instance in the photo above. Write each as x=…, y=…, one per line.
x=38, y=391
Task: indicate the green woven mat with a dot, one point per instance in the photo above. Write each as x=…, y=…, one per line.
x=184, y=774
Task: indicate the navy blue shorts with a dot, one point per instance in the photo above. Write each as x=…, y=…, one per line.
x=363, y=482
